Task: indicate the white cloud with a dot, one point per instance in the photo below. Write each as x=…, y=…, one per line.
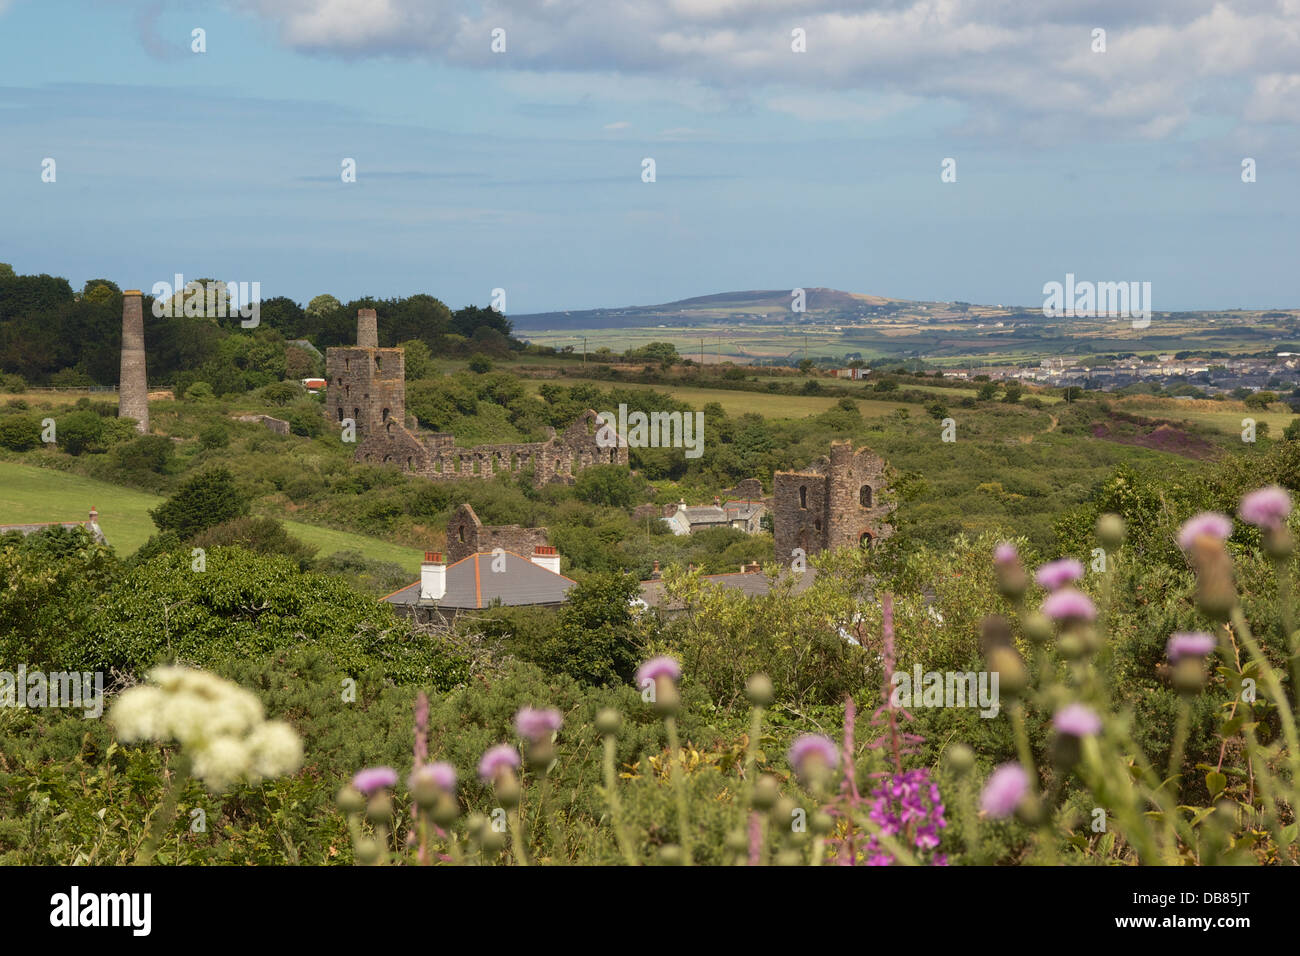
x=621, y=124
x=1167, y=61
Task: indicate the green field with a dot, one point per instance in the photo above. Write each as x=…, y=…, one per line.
x=735, y=402
x=30, y=494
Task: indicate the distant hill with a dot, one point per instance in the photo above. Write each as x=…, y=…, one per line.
x=738, y=307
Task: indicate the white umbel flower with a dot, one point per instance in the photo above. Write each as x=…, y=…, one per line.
x=220, y=726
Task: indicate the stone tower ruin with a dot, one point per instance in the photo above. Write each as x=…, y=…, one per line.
x=366, y=383
x=834, y=503
x=133, y=385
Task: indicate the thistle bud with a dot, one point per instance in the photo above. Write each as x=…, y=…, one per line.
x=821, y=823
x=961, y=759
x=1012, y=676
x=540, y=755
x=508, y=791
x=737, y=841
x=608, y=721
x=380, y=808
x=368, y=851
x=1189, y=675
x=759, y=690
x=1071, y=646
x=493, y=840
x=1216, y=591
x=671, y=855
x=995, y=631
x=1038, y=628
x=766, y=793
x=350, y=800
x=445, y=810
x=789, y=857
x=1111, y=531
x=1012, y=580
x=1278, y=543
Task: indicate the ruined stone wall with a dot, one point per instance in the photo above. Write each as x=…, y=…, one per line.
x=834, y=503
x=367, y=385
x=559, y=458
x=749, y=489
x=799, y=504
x=133, y=387
x=466, y=535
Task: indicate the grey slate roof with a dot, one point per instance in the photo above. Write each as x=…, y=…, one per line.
x=472, y=584
x=752, y=584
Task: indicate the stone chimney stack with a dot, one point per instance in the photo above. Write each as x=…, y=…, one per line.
x=433, y=577
x=133, y=387
x=545, y=556
x=367, y=329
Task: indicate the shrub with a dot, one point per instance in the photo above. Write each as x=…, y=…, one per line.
x=203, y=501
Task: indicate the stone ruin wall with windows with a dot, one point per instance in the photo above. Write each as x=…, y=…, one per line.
x=368, y=385
x=834, y=503
x=467, y=535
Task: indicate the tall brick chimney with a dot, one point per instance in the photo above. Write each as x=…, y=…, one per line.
x=367, y=329
x=133, y=387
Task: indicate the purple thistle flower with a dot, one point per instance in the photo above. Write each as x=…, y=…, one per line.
x=496, y=759
x=657, y=667
x=1005, y=553
x=1057, y=574
x=812, y=747
x=1209, y=524
x=1077, y=721
x=374, y=778
x=441, y=774
x=1189, y=644
x=1266, y=508
x=1069, y=604
x=1006, y=787
x=537, y=724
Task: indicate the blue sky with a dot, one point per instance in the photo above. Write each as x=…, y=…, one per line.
x=775, y=169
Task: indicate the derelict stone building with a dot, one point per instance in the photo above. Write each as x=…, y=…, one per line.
x=834, y=503
x=364, y=382
x=467, y=535
x=367, y=384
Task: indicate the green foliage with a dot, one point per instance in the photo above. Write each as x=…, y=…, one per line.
x=248, y=605
x=256, y=534
x=201, y=502
x=21, y=432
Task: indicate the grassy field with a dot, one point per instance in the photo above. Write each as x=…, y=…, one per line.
x=30, y=494
x=738, y=403
x=1225, y=416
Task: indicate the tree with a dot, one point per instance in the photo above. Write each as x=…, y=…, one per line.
x=986, y=392
x=1013, y=393
x=596, y=641
x=1260, y=400
x=418, y=359
x=80, y=431
x=21, y=432
x=480, y=364
x=323, y=305
x=611, y=485
x=204, y=501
